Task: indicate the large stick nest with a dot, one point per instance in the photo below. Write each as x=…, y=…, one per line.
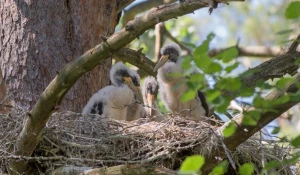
x=95, y=141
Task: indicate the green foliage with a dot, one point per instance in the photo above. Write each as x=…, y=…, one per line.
x=192, y=164
x=290, y=161
x=220, y=169
x=246, y=169
x=212, y=94
x=282, y=82
x=229, y=130
x=229, y=84
x=251, y=117
x=228, y=55
x=296, y=141
x=275, y=130
x=189, y=95
x=292, y=11
x=230, y=68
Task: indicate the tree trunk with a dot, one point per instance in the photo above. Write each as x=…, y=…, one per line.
x=39, y=37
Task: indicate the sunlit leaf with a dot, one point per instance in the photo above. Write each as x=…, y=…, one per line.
x=282, y=82
x=251, y=117
x=204, y=47
x=228, y=55
x=296, y=141
x=212, y=94
x=220, y=169
x=187, y=96
x=230, y=68
x=186, y=63
x=202, y=60
x=246, y=92
x=230, y=84
x=213, y=68
x=276, y=130
x=192, y=164
x=229, y=130
x=196, y=78
x=223, y=105
x=292, y=11
x=246, y=169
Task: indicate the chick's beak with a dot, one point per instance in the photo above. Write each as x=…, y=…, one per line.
x=150, y=99
x=163, y=59
x=136, y=90
x=138, y=95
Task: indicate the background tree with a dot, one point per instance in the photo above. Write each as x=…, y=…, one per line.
x=39, y=38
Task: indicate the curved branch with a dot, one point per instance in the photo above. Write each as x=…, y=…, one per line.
x=130, y=13
x=136, y=58
x=56, y=90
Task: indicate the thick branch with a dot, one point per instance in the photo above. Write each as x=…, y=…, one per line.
x=244, y=132
x=136, y=58
x=252, y=51
x=130, y=13
x=56, y=90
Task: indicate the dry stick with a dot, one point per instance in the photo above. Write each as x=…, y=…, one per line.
x=67, y=77
x=182, y=46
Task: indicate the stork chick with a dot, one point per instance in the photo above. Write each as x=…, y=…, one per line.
x=113, y=100
x=170, y=63
x=135, y=108
x=149, y=92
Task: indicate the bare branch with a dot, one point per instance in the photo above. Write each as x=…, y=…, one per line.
x=251, y=51
x=56, y=90
x=142, y=7
x=137, y=59
x=182, y=46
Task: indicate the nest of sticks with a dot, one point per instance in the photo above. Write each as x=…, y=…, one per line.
x=94, y=141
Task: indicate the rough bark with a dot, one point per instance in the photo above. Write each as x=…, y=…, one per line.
x=40, y=37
